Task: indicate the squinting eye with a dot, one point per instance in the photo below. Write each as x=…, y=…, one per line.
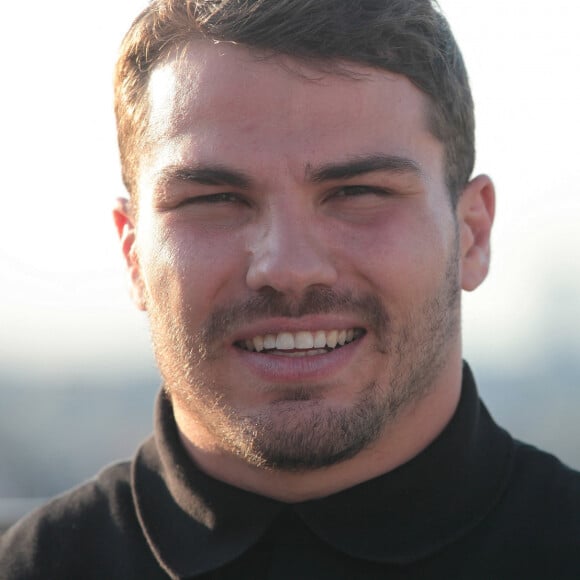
x=358, y=190
x=214, y=198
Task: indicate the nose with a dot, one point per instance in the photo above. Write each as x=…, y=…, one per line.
x=290, y=254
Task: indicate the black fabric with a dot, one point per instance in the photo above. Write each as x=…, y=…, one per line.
x=474, y=504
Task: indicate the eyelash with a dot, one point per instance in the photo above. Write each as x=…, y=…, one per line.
x=223, y=197
x=356, y=190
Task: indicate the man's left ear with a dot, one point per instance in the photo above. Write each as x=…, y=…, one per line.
x=475, y=213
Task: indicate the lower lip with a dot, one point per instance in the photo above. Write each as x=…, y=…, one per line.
x=285, y=369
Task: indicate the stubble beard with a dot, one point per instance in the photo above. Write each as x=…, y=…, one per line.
x=299, y=432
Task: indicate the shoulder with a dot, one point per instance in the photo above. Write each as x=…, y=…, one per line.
x=539, y=513
x=541, y=474
x=82, y=530
x=543, y=481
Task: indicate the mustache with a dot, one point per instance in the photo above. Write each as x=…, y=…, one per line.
x=270, y=303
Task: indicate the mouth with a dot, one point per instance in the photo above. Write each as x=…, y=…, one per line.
x=302, y=343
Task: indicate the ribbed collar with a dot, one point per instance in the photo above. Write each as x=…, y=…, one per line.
x=194, y=523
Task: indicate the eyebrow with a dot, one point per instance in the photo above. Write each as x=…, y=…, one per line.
x=206, y=175
x=216, y=174
x=363, y=164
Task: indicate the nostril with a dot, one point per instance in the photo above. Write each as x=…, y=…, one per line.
x=291, y=273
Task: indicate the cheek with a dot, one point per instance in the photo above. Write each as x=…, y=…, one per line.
x=406, y=263
x=401, y=255
x=191, y=270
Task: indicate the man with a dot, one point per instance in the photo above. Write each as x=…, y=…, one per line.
x=301, y=221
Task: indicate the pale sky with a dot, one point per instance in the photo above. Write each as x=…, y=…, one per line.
x=63, y=299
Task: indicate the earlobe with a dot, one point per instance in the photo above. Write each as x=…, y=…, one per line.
x=475, y=213
x=124, y=223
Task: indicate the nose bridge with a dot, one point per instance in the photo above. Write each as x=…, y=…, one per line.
x=290, y=252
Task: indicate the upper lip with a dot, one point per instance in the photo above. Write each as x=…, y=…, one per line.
x=306, y=323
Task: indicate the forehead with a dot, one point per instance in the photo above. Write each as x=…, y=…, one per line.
x=222, y=98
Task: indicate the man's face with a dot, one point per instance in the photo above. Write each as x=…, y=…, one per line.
x=296, y=252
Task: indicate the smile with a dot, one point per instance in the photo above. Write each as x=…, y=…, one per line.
x=301, y=343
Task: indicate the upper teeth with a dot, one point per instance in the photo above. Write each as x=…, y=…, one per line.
x=301, y=340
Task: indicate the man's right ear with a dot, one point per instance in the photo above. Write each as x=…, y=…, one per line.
x=125, y=224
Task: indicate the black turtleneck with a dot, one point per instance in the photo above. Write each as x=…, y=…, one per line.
x=474, y=504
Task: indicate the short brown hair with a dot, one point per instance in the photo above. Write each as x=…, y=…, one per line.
x=409, y=37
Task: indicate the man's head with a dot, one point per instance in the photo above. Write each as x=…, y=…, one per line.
x=409, y=37
x=295, y=246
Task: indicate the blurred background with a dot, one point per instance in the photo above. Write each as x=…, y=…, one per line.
x=77, y=377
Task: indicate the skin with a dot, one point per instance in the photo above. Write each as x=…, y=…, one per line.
x=274, y=197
